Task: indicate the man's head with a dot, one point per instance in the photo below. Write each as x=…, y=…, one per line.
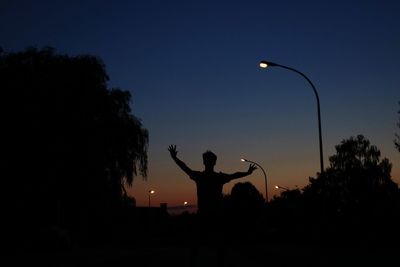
x=209, y=159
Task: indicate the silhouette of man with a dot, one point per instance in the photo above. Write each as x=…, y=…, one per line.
x=209, y=183
x=209, y=202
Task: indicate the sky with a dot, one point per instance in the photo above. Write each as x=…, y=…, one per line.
x=192, y=69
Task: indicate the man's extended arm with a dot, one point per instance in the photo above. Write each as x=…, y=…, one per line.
x=172, y=150
x=237, y=175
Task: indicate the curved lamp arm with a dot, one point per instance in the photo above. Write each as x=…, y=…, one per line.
x=264, y=64
x=265, y=176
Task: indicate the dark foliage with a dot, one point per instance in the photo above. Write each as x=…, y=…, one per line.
x=286, y=213
x=355, y=197
x=356, y=179
x=69, y=144
x=244, y=214
x=245, y=200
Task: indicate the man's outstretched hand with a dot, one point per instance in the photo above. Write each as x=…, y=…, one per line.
x=252, y=167
x=172, y=150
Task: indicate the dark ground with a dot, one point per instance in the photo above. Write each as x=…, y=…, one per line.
x=177, y=245
x=207, y=256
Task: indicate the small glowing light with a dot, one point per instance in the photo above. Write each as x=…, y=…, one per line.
x=185, y=203
x=263, y=64
x=277, y=187
x=243, y=160
x=152, y=191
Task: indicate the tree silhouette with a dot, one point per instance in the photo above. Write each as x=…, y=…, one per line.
x=355, y=189
x=356, y=177
x=245, y=197
x=69, y=143
x=243, y=208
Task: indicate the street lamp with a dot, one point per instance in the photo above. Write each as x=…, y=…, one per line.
x=264, y=64
x=150, y=193
x=265, y=176
x=282, y=187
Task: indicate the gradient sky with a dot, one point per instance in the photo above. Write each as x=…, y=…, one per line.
x=192, y=67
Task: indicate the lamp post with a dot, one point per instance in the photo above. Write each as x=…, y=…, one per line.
x=265, y=177
x=282, y=187
x=264, y=64
x=150, y=193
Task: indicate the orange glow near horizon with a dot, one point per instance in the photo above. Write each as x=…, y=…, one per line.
x=175, y=188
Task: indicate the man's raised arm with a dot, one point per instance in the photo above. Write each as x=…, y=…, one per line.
x=237, y=175
x=172, y=150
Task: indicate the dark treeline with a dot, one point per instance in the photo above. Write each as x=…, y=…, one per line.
x=70, y=144
x=354, y=202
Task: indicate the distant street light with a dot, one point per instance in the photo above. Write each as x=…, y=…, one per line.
x=185, y=203
x=282, y=187
x=265, y=176
x=150, y=193
x=264, y=64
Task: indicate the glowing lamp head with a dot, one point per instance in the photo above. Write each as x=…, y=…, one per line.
x=243, y=160
x=277, y=187
x=152, y=192
x=185, y=203
x=264, y=64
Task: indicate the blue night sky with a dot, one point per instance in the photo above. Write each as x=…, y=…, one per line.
x=192, y=68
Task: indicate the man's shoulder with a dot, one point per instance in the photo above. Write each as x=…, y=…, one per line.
x=195, y=174
x=212, y=173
